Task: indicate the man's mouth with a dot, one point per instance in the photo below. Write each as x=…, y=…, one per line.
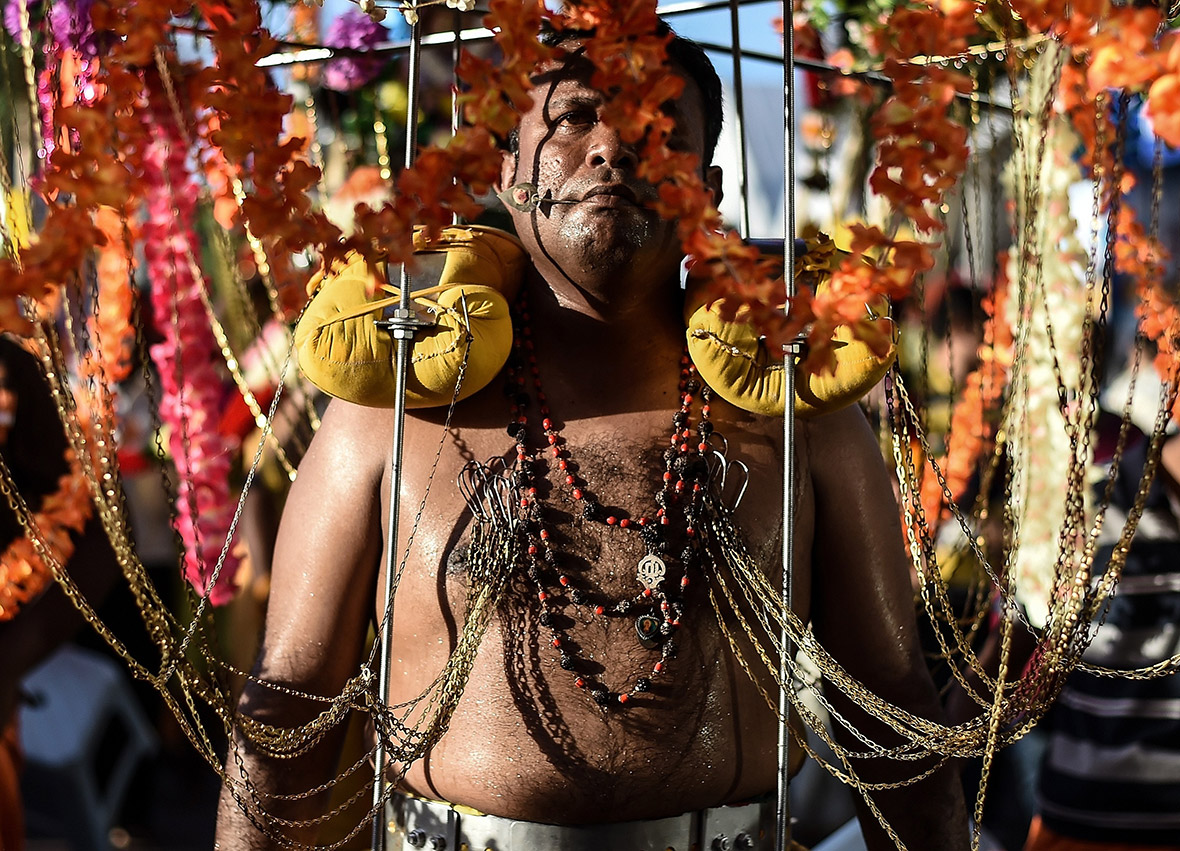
x=611, y=195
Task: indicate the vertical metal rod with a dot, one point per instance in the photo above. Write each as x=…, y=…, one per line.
x=783, y=802
x=456, y=48
x=740, y=120
x=401, y=327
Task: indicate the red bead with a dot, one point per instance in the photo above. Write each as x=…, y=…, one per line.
x=664, y=606
x=625, y=522
x=532, y=549
x=577, y=493
x=688, y=398
x=623, y=698
x=646, y=592
x=643, y=521
x=569, y=480
x=702, y=447
x=546, y=424
x=664, y=521
x=673, y=440
x=556, y=451
x=563, y=464
x=683, y=581
x=668, y=476
x=552, y=438
x=612, y=520
x=705, y=411
x=522, y=420
x=557, y=642
x=544, y=534
x=690, y=531
x=598, y=610
x=659, y=666
x=542, y=596
x=696, y=488
x=676, y=622
x=564, y=580
x=532, y=491
x=659, y=512
x=524, y=503
x=580, y=683
x=679, y=485
x=684, y=447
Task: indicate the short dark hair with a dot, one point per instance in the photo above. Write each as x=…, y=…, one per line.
x=684, y=52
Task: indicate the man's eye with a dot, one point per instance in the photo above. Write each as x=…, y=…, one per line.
x=577, y=117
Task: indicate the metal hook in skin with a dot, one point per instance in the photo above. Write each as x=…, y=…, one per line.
x=468, y=487
x=525, y=197
x=720, y=476
x=499, y=489
x=487, y=492
x=737, y=499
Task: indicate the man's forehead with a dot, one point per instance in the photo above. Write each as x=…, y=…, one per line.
x=571, y=77
x=573, y=65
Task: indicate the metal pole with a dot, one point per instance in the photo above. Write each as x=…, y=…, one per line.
x=790, y=356
x=402, y=324
x=739, y=124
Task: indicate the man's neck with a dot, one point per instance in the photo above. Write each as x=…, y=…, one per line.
x=628, y=352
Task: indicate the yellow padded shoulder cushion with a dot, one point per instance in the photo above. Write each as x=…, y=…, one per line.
x=343, y=353
x=732, y=358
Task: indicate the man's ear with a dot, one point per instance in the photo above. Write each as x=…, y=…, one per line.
x=507, y=170
x=713, y=183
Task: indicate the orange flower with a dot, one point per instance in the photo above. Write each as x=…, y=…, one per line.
x=1163, y=107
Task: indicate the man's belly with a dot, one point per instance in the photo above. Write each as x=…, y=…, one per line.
x=525, y=743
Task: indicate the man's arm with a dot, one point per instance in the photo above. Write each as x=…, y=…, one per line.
x=863, y=613
x=322, y=588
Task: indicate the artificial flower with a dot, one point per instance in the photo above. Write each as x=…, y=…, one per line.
x=357, y=30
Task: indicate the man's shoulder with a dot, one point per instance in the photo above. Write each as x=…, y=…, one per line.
x=358, y=432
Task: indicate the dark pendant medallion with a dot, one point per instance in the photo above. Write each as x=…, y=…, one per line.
x=647, y=628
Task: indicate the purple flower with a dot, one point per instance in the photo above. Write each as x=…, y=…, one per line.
x=353, y=29
x=12, y=17
x=69, y=22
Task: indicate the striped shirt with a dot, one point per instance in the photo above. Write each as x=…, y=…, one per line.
x=1112, y=768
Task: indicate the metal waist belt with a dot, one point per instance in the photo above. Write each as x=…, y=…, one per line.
x=415, y=823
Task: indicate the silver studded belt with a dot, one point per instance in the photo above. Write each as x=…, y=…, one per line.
x=415, y=823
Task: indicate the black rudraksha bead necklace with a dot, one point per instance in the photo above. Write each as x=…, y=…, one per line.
x=658, y=606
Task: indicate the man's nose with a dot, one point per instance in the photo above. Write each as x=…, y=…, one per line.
x=608, y=149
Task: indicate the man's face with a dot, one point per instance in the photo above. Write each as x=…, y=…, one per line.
x=571, y=155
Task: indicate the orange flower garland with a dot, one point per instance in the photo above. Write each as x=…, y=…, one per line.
x=110, y=326
x=975, y=417
x=23, y=573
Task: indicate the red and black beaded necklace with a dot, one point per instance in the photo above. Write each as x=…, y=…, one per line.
x=658, y=606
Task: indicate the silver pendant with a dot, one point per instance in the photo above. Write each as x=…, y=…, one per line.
x=651, y=571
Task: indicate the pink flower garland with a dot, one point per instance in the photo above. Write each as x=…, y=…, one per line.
x=191, y=400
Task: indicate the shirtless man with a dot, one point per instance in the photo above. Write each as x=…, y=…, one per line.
x=525, y=742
